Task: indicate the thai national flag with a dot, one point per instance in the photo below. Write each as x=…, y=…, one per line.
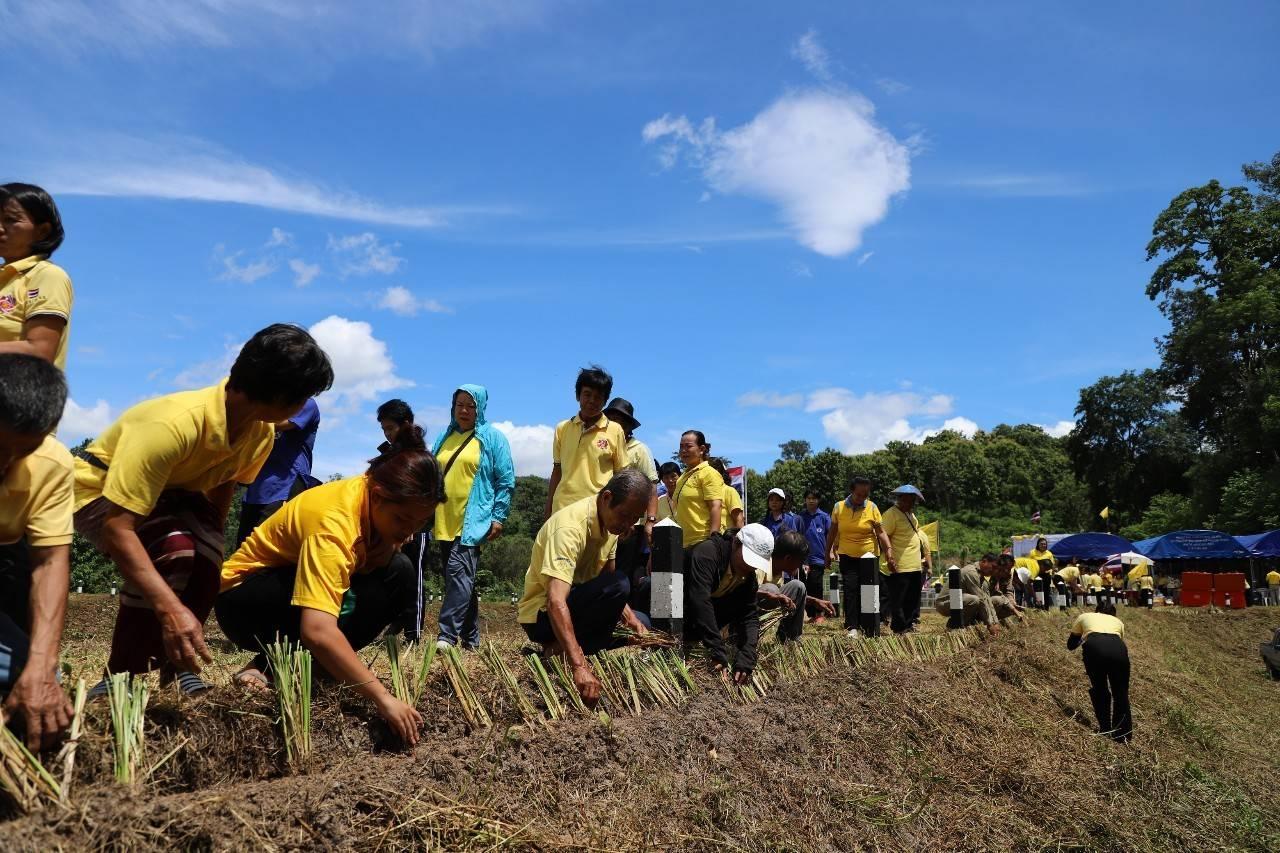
x=738, y=479
x=1035, y=518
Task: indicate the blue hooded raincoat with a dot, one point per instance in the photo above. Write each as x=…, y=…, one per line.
x=490, y=498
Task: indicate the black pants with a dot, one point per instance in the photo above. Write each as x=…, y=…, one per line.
x=594, y=607
x=849, y=590
x=1106, y=660
x=258, y=611
x=813, y=586
x=903, y=590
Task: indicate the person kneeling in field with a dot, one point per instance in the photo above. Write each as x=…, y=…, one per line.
x=573, y=598
x=790, y=550
x=722, y=590
x=35, y=545
x=153, y=491
x=979, y=605
x=291, y=577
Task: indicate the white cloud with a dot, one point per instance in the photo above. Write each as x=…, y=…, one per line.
x=362, y=367
x=801, y=270
x=303, y=272
x=810, y=52
x=866, y=422
x=530, y=447
x=1026, y=185
x=864, y=257
x=364, y=254
x=1060, y=429
x=818, y=156
x=245, y=273
x=771, y=400
x=79, y=422
x=891, y=87
x=402, y=301
x=278, y=238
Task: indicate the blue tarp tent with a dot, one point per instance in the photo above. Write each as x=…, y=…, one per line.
x=1262, y=544
x=1090, y=546
x=1192, y=544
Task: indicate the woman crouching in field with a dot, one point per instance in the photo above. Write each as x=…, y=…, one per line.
x=292, y=576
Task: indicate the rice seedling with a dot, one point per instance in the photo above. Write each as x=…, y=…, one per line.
x=557, y=663
x=68, y=753
x=456, y=672
x=650, y=639
x=555, y=710
x=493, y=659
x=608, y=686
x=127, y=697
x=409, y=668
x=624, y=664
x=22, y=776
x=291, y=669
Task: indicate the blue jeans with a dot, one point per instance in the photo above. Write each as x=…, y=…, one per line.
x=461, y=607
x=13, y=651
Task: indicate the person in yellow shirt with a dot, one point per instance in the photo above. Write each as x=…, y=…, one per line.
x=573, y=597
x=35, y=293
x=153, y=490
x=911, y=557
x=479, y=480
x=1043, y=556
x=291, y=577
x=633, y=549
x=855, y=531
x=699, y=493
x=1106, y=660
x=732, y=516
x=1273, y=586
x=588, y=448
x=35, y=546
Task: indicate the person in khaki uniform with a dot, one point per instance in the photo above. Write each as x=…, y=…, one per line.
x=979, y=605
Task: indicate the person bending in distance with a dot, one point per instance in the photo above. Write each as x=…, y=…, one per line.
x=573, y=597
x=153, y=491
x=291, y=577
x=1106, y=661
x=36, y=476
x=588, y=448
x=980, y=607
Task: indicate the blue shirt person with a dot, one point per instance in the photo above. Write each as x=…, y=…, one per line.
x=815, y=524
x=286, y=472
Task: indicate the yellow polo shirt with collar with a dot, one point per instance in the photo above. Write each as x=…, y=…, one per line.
x=1273, y=579
x=178, y=441
x=695, y=489
x=36, y=496
x=731, y=501
x=1070, y=574
x=588, y=456
x=857, y=535
x=573, y=546
x=321, y=532
x=1097, y=623
x=35, y=287
x=907, y=539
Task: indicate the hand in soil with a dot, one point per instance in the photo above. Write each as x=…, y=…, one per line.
x=403, y=719
x=42, y=706
x=183, y=638
x=585, y=680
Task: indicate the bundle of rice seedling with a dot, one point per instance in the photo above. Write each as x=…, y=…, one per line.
x=555, y=710
x=22, y=776
x=291, y=671
x=409, y=668
x=493, y=659
x=456, y=672
x=650, y=639
x=128, y=700
x=566, y=681
x=609, y=689
x=68, y=753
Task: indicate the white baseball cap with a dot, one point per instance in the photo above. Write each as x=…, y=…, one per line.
x=779, y=493
x=757, y=547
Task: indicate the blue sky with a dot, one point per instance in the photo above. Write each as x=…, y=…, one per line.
x=839, y=222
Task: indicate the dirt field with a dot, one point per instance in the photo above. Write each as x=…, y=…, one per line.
x=987, y=747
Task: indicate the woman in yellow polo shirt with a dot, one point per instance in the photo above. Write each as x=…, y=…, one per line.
x=291, y=577
x=35, y=293
x=731, y=514
x=855, y=531
x=699, y=493
x=1106, y=660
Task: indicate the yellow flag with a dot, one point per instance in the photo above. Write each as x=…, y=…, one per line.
x=931, y=530
x=1106, y=512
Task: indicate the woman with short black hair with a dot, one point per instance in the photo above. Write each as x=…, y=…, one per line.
x=35, y=293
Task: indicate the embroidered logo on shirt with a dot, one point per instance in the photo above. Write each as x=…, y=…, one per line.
x=8, y=303
x=33, y=293
x=602, y=443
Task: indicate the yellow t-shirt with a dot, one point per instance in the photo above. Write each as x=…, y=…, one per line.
x=906, y=538
x=36, y=496
x=572, y=546
x=174, y=442
x=694, y=490
x=1146, y=582
x=35, y=287
x=321, y=531
x=857, y=536
x=457, y=486
x=1070, y=574
x=731, y=501
x=1097, y=623
x=641, y=458
x=588, y=458
x=1273, y=578
x=1033, y=554
x=1092, y=581
x=665, y=508
x=1029, y=564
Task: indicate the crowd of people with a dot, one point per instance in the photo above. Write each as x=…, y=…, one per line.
x=335, y=565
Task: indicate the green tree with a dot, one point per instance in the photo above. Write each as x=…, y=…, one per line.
x=954, y=472
x=1166, y=513
x=795, y=450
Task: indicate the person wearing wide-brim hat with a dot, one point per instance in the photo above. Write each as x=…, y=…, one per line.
x=633, y=550
x=911, y=549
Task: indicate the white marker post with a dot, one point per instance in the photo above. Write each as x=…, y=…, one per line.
x=956, y=618
x=869, y=595
x=666, y=583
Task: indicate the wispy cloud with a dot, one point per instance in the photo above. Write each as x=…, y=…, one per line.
x=303, y=272
x=819, y=156
x=864, y=257
x=364, y=254
x=771, y=400
x=891, y=87
x=1026, y=185
x=247, y=272
x=810, y=52
x=279, y=237
x=402, y=301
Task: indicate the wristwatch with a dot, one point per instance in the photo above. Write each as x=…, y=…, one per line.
x=651, y=518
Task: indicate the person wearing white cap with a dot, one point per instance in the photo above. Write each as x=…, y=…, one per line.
x=720, y=587
x=910, y=557
x=776, y=517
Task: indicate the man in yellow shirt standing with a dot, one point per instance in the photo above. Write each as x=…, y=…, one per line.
x=855, y=531
x=152, y=492
x=1273, y=586
x=588, y=448
x=573, y=597
x=35, y=546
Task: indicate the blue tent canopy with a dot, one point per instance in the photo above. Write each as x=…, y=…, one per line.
x=1262, y=544
x=1090, y=546
x=1191, y=544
